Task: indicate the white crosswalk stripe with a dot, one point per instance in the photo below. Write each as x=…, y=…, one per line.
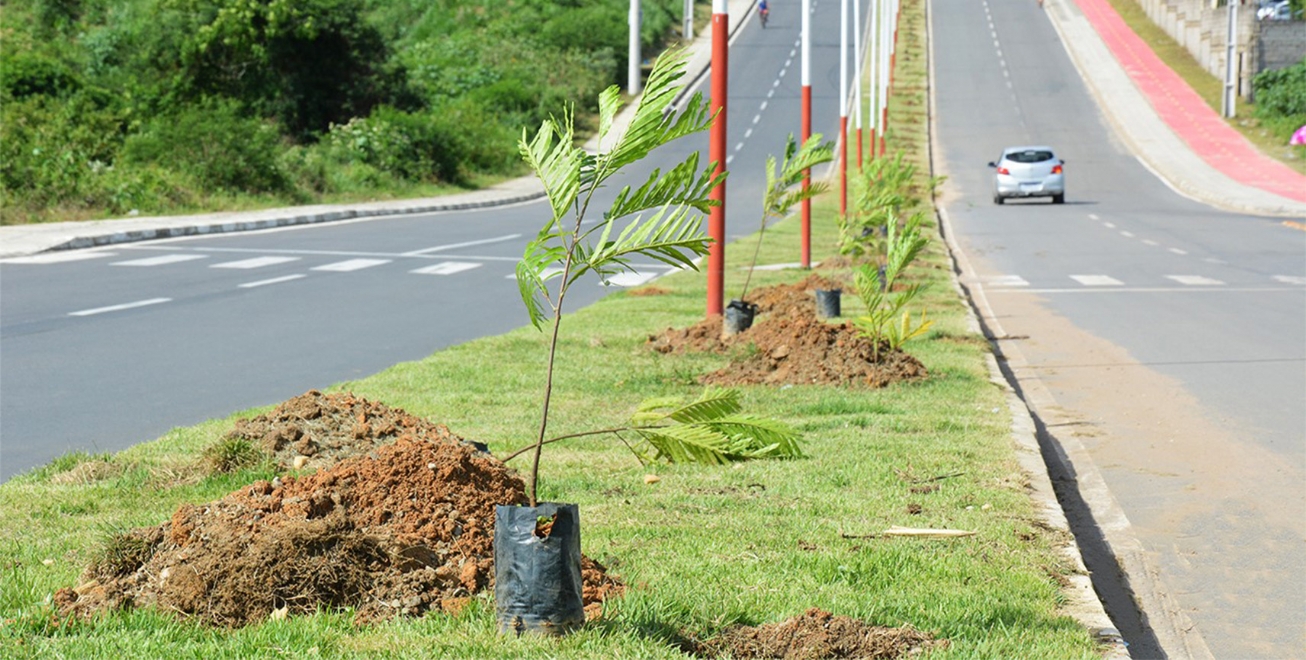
x=350, y=265
x=446, y=268
x=1194, y=280
x=1007, y=280
x=162, y=260
x=59, y=257
x=1096, y=280
x=256, y=262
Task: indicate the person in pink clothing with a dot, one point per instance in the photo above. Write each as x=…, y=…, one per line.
x=1299, y=137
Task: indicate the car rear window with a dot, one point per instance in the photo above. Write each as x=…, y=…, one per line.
x=1030, y=156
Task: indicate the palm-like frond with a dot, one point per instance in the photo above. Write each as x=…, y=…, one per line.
x=652, y=125
x=711, y=430
x=555, y=159
x=683, y=184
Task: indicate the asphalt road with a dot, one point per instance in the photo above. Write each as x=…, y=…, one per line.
x=106, y=348
x=1170, y=337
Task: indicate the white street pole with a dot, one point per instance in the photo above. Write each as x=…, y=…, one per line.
x=1230, y=53
x=843, y=107
x=689, y=20
x=633, y=74
x=857, y=76
x=873, y=95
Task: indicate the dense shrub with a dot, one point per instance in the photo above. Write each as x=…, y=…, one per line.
x=214, y=145
x=1281, y=92
x=109, y=106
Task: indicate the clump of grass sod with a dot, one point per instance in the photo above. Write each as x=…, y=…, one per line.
x=703, y=547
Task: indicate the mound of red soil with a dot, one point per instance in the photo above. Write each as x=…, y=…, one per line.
x=817, y=635
x=324, y=429
x=801, y=349
x=402, y=530
x=778, y=300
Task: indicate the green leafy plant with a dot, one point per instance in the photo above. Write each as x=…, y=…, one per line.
x=711, y=429
x=779, y=197
x=886, y=321
x=565, y=250
x=885, y=189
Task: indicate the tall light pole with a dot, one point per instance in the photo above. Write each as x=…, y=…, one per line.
x=843, y=107
x=689, y=21
x=632, y=71
x=873, y=48
x=857, y=77
x=806, y=130
x=1230, y=66
x=716, y=220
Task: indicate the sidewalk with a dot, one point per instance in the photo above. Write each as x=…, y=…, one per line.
x=1165, y=123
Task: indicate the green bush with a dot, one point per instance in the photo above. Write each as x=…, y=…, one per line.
x=1281, y=92
x=214, y=145
x=25, y=74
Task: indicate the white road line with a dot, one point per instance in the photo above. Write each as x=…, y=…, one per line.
x=548, y=272
x=1177, y=251
x=1093, y=216
x=1096, y=280
x=1194, y=280
x=1291, y=279
x=118, y=308
x=451, y=246
x=1006, y=280
x=1127, y=234
x=257, y=262
x=1158, y=289
x=1150, y=242
x=275, y=280
x=161, y=260
x=59, y=257
x=1109, y=225
x=350, y=265
x=446, y=268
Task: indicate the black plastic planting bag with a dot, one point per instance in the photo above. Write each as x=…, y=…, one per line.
x=537, y=582
x=738, y=317
x=827, y=303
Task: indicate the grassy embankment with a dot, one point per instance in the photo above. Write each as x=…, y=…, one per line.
x=702, y=549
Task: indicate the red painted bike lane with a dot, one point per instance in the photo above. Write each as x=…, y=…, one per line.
x=1205, y=132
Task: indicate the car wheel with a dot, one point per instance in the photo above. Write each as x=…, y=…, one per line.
x=997, y=199
x=1059, y=199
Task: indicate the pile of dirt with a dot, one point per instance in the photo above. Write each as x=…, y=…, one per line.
x=406, y=528
x=818, y=635
x=316, y=430
x=778, y=300
x=801, y=349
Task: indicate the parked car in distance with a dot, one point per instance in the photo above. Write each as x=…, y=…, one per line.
x=1029, y=172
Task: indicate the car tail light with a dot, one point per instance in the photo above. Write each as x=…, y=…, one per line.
x=1056, y=169
x=1003, y=170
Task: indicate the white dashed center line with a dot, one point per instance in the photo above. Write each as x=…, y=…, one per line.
x=119, y=308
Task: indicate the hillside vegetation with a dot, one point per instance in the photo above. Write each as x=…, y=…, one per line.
x=114, y=107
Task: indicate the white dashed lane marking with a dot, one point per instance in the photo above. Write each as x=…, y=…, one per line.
x=257, y=262
x=119, y=308
x=1007, y=280
x=1291, y=279
x=275, y=280
x=350, y=265
x=162, y=260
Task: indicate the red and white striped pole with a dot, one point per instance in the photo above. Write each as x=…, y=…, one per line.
x=843, y=107
x=886, y=48
x=873, y=49
x=857, y=77
x=716, y=223
x=806, y=130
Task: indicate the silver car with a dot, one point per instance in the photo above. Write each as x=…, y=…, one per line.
x=1029, y=172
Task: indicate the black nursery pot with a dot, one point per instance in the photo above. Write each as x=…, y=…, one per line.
x=827, y=303
x=537, y=581
x=738, y=317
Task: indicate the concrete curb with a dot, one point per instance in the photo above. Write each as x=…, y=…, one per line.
x=27, y=240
